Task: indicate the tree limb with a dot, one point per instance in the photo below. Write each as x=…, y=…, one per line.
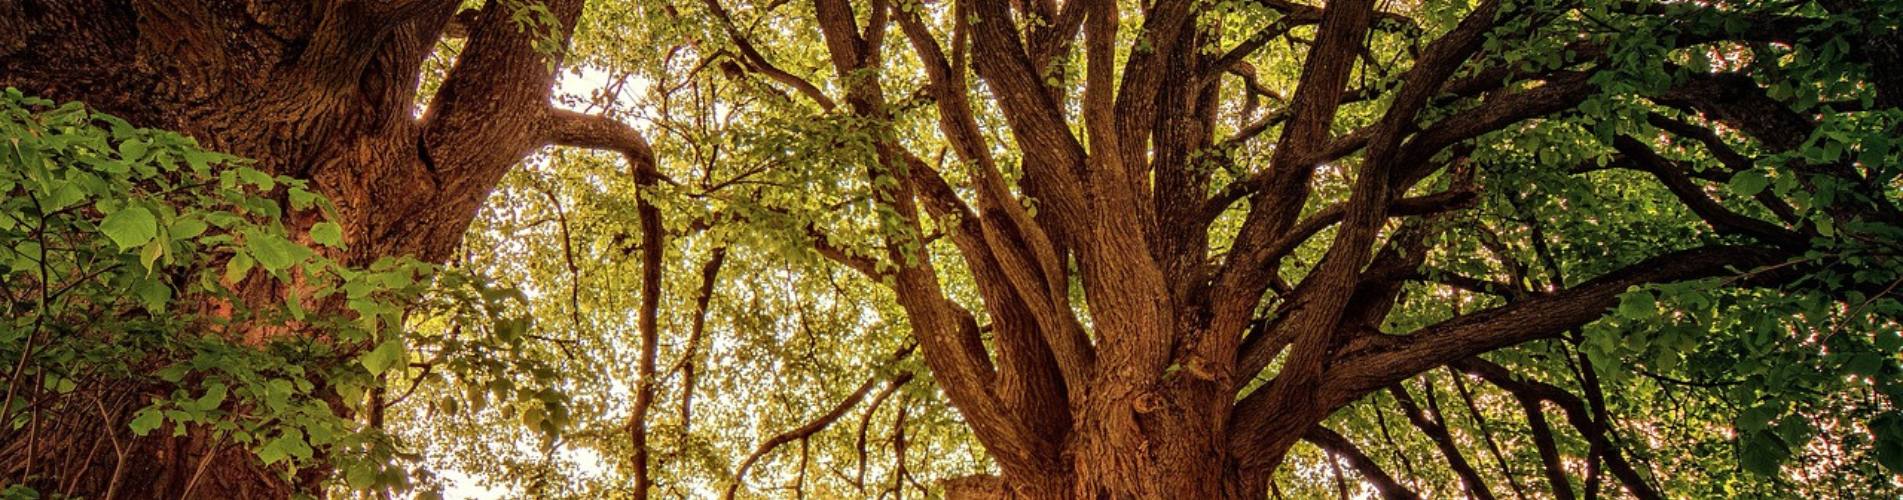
x=1331, y=441
x=811, y=427
x=1376, y=360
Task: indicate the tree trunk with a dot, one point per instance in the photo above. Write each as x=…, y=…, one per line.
x=1117, y=474
x=1145, y=443
x=323, y=91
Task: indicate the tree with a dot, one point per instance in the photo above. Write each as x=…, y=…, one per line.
x=1166, y=301
x=327, y=93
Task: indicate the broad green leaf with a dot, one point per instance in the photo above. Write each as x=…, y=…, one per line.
x=1749, y=183
x=1638, y=305
x=130, y=227
x=274, y=252
x=328, y=234
x=146, y=420
x=187, y=228
x=387, y=354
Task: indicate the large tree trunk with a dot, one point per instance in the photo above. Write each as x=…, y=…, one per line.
x=324, y=91
x=1162, y=456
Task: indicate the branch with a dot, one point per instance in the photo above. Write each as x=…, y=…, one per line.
x=1471, y=284
x=1675, y=178
x=459, y=24
x=1486, y=434
x=824, y=245
x=1437, y=431
x=1549, y=451
x=1283, y=188
x=1334, y=442
x=348, y=35
x=569, y=128
x=647, y=321
x=1373, y=361
x=1736, y=100
x=759, y=63
x=501, y=75
x=709, y=272
x=1732, y=160
x=1558, y=93
x=1576, y=413
x=817, y=424
x=1013, y=266
x=1053, y=155
x=1052, y=42
x=859, y=479
x=1445, y=201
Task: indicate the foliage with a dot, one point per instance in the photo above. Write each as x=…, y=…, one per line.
x=134, y=263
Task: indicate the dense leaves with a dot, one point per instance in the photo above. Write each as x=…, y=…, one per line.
x=133, y=262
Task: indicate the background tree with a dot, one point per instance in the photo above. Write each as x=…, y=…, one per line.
x=321, y=92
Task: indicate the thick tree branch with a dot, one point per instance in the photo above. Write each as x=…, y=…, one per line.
x=1676, y=179
x=1371, y=362
x=1277, y=203
x=569, y=128
x=481, y=122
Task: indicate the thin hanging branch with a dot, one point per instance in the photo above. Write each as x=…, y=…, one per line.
x=1436, y=429
x=1335, y=444
x=865, y=421
x=1486, y=433
x=815, y=425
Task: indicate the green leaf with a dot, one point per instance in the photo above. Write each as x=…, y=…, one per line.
x=1638, y=305
x=1864, y=363
x=151, y=253
x=1889, y=431
x=1756, y=418
x=257, y=178
x=360, y=476
x=302, y=198
x=213, y=398
x=237, y=268
x=1761, y=453
x=328, y=234
x=387, y=354
x=148, y=419
x=1749, y=183
x=187, y=228
x=273, y=452
x=132, y=150
x=290, y=444
x=155, y=294
x=130, y=227
x=274, y=252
